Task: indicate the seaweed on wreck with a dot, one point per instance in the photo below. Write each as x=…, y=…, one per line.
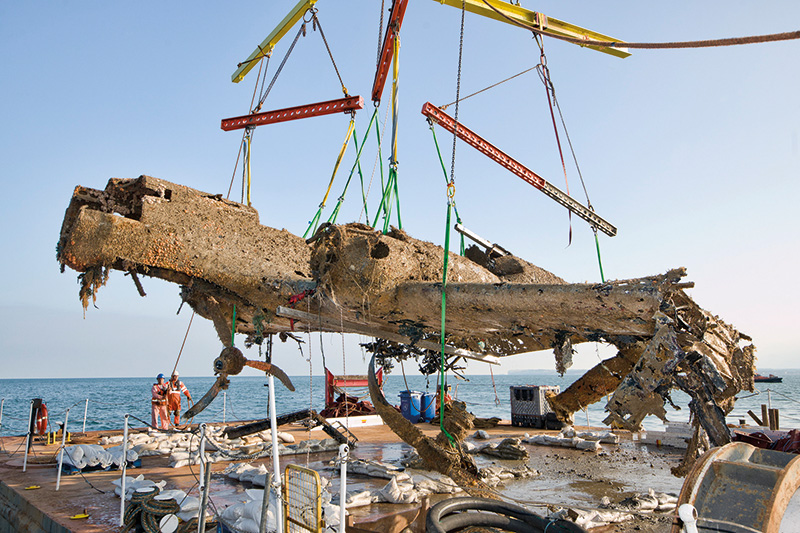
x=389, y=287
x=90, y=282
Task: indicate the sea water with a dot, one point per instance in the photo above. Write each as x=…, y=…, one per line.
x=110, y=399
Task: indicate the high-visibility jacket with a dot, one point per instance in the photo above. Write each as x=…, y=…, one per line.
x=174, y=394
x=159, y=394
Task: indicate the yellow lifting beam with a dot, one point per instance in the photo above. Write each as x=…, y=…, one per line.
x=548, y=25
x=265, y=48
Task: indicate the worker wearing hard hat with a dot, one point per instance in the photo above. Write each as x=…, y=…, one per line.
x=159, y=403
x=174, y=389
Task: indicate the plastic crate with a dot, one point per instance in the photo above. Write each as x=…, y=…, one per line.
x=529, y=406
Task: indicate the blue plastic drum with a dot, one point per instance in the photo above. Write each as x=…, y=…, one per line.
x=409, y=405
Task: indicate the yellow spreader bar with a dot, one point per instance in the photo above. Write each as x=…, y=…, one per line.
x=548, y=25
x=272, y=39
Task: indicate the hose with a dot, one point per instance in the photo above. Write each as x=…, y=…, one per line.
x=513, y=517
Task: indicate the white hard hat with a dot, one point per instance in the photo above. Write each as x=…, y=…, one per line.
x=175, y=374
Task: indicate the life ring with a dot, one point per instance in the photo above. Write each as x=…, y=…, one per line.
x=41, y=420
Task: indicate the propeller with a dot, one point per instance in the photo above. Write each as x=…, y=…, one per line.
x=231, y=361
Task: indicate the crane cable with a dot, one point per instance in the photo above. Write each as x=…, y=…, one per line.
x=548, y=87
x=706, y=43
x=544, y=76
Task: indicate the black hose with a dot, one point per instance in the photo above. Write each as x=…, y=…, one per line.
x=458, y=521
x=438, y=517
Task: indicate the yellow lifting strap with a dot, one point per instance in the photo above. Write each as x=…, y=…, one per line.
x=395, y=80
x=350, y=128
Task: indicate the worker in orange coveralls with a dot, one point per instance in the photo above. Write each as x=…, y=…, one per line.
x=159, y=403
x=175, y=388
x=447, y=398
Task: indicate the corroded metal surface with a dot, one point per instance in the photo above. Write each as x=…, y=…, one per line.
x=222, y=258
x=741, y=485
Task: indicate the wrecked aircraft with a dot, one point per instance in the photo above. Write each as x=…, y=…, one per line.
x=352, y=278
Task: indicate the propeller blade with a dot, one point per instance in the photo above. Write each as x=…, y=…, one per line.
x=273, y=371
x=220, y=384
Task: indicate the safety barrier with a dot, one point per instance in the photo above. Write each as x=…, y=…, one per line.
x=302, y=500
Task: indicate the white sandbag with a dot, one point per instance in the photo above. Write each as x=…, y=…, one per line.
x=94, y=455
x=358, y=499
x=240, y=468
x=587, y=445
x=178, y=456
x=606, y=437
x=286, y=438
x=246, y=525
x=254, y=494
x=145, y=447
x=598, y=517
x=185, y=516
x=233, y=513
x=72, y=455
x=331, y=514
x=393, y=493
x=116, y=454
x=176, y=494
x=189, y=503
x=252, y=472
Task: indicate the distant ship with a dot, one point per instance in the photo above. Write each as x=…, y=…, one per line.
x=772, y=378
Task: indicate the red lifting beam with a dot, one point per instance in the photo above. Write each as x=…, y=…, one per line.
x=494, y=153
x=395, y=21
x=342, y=105
x=332, y=382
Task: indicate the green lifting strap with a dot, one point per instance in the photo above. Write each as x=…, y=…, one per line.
x=361, y=175
x=386, y=202
x=233, y=325
x=335, y=213
x=444, y=307
x=313, y=224
x=444, y=171
x=385, y=206
x=599, y=260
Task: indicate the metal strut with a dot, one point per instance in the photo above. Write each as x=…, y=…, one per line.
x=266, y=47
x=494, y=153
x=342, y=105
x=515, y=14
x=395, y=21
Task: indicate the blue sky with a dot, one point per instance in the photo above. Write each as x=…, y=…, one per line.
x=693, y=154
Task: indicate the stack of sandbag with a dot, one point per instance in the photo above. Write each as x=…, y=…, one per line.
x=606, y=437
x=132, y=484
x=82, y=456
x=403, y=489
x=246, y=472
x=246, y=516
x=116, y=455
x=564, y=441
x=189, y=505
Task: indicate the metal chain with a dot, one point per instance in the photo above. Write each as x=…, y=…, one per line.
x=301, y=31
x=317, y=24
x=458, y=92
x=263, y=79
x=380, y=35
